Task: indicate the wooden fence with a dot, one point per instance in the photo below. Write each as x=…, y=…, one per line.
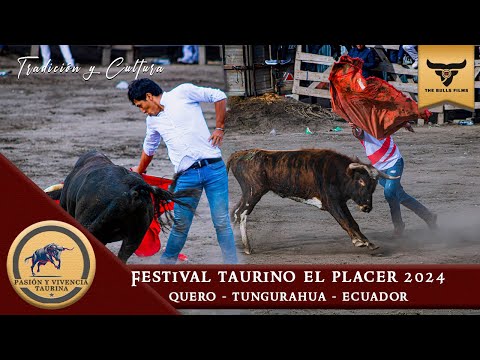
x=315, y=83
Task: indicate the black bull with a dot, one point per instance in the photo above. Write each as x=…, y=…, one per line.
x=114, y=203
x=320, y=177
x=49, y=253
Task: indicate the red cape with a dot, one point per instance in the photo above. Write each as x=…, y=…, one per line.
x=372, y=104
x=150, y=244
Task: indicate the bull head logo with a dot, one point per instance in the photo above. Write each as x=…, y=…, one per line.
x=446, y=71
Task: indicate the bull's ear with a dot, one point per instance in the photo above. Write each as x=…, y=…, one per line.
x=350, y=172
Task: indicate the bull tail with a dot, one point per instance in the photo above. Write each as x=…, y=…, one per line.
x=29, y=257
x=162, y=198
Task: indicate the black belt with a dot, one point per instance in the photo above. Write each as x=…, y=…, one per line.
x=204, y=162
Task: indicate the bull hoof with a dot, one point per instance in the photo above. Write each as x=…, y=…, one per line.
x=359, y=243
x=247, y=251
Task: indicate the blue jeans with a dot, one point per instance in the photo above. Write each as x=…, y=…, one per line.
x=214, y=179
x=395, y=195
x=396, y=55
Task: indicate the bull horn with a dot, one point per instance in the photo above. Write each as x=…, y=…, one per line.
x=386, y=176
x=53, y=188
x=436, y=65
x=371, y=171
x=458, y=65
x=374, y=173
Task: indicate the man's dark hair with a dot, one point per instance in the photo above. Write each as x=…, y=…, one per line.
x=138, y=89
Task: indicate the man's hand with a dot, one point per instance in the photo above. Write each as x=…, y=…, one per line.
x=409, y=127
x=135, y=169
x=216, y=138
x=356, y=131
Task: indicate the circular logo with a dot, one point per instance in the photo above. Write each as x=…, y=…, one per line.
x=51, y=264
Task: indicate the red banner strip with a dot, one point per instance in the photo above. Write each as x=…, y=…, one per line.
x=313, y=286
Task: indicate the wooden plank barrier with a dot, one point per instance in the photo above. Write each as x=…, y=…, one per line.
x=245, y=72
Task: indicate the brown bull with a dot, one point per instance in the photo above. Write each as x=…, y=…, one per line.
x=320, y=177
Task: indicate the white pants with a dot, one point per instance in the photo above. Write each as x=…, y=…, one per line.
x=65, y=49
x=190, y=54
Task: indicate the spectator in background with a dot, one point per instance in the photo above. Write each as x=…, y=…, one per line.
x=396, y=56
x=411, y=50
x=281, y=54
x=190, y=54
x=368, y=57
x=312, y=49
x=336, y=50
x=66, y=53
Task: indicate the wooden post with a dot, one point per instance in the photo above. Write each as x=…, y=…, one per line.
x=106, y=54
x=202, y=55
x=130, y=56
x=440, y=109
x=221, y=53
x=296, y=70
x=34, y=49
x=441, y=118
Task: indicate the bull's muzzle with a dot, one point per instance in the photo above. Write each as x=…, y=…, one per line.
x=365, y=208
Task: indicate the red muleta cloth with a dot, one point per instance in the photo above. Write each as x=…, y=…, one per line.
x=372, y=104
x=150, y=244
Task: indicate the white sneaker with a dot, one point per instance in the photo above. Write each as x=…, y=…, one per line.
x=271, y=62
x=415, y=64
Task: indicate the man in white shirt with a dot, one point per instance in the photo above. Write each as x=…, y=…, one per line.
x=385, y=156
x=176, y=117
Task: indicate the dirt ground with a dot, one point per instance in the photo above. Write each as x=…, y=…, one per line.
x=48, y=120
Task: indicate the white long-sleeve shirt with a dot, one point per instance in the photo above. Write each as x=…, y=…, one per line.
x=182, y=126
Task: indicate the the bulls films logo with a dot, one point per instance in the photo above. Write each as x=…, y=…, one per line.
x=51, y=264
x=446, y=72
x=446, y=75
